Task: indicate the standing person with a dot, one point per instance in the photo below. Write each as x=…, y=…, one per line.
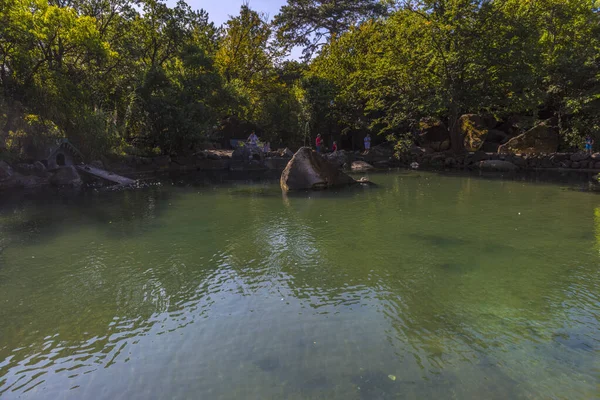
x=588, y=144
x=367, y=143
x=319, y=143
x=253, y=139
x=334, y=147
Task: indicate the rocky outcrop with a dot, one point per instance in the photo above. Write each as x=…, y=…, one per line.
x=494, y=139
x=541, y=139
x=39, y=169
x=496, y=136
x=433, y=135
x=309, y=170
x=6, y=171
x=66, y=176
x=361, y=166
x=383, y=150
x=286, y=153
x=581, y=156
x=340, y=158
x=246, y=153
x=474, y=129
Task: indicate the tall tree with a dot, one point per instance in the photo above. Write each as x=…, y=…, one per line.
x=244, y=49
x=311, y=23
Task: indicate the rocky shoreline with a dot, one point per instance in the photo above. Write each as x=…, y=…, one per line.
x=33, y=176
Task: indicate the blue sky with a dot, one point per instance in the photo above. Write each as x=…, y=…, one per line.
x=220, y=10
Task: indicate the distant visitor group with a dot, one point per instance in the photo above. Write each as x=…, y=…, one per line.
x=254, y=142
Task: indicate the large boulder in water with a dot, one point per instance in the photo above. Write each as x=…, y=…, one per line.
x=542, y=138
x=309, y=170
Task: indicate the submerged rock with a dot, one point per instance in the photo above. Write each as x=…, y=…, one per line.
x=309, y=170
x=497, y=165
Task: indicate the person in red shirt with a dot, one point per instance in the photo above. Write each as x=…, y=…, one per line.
x=319, y=143
x=334, y=147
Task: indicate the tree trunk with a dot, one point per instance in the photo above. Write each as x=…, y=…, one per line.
x=456, y=137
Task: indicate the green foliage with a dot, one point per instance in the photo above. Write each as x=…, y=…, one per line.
x=150, y=78
x=447, y=58
x=311, y=23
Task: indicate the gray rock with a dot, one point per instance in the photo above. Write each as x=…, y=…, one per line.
x=433, y=135
x=479, y=156
x=518, y=161
x=358, y=166
x=66, y=176
x=490, y=147
x=40, y=169
x=341, y=157
x=287, y=153
x=450, y=162
x=596, y=156
x=25, y=168
x=382, y=150
x=581, y=156
x=546, y=163
x=246, y=153
x=496, y=136
x=6, y=171
x=309, y=170
x=575, y=165
x=560, y=157
x=497, y=165
x=416, y=150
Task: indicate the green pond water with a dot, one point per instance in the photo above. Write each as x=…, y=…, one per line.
x=424, y=287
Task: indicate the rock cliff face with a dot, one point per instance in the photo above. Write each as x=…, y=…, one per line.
x=308, y=170
x=541, y=139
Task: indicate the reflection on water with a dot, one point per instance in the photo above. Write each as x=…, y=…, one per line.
x=424, y=287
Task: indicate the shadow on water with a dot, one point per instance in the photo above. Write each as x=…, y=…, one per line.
x=30, y=219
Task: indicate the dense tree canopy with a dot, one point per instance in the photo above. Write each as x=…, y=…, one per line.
x=126, y=76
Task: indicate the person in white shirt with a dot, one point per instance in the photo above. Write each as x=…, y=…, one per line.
x=253, y=139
